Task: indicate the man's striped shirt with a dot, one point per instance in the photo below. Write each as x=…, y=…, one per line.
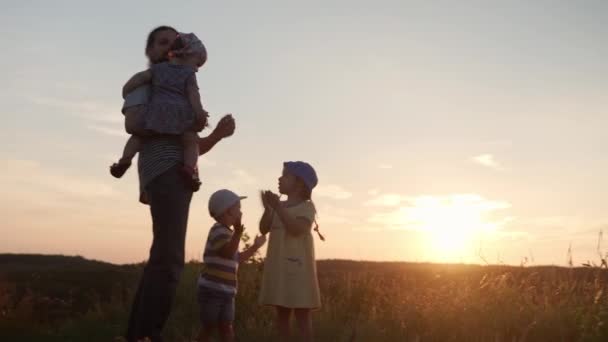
x=157, y=155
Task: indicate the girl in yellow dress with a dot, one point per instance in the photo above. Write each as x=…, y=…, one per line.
x=290, y=274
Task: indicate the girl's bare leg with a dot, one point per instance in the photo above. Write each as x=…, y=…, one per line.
x=304, y=321
x=204, y=335
x=283, y=315
x=226, y=332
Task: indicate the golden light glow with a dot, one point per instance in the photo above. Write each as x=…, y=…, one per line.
x=452, y=224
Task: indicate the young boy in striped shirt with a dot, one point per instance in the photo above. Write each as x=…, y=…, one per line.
x=217, y=284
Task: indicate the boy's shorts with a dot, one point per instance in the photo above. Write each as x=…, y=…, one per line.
x=215, y=306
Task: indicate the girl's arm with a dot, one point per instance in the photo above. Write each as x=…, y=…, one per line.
x=195, y=101
x=266, y=219
x=137, y=81
x=294, y=225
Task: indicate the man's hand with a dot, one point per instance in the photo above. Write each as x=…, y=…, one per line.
x=225, y=127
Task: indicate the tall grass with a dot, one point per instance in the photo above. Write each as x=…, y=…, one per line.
x=362, y=301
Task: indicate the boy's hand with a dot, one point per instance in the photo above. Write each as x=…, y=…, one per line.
x=239, y=228
x=259, y=241
x=238, y=225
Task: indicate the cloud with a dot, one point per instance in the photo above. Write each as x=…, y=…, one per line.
x=373, y=192
x=385, y=166
x=386, y=200
x=30, y=174
x=486, y=160
x=333, y=219
x=77, y=106
x=335, y=214
x=204, y=161
x=333, y=191
x=92, y=110
x=367, y=229
x=242, y=177
x=102, y=117
x=470, y=212
x=56, y=209
x=563, y=226
x=36, y=196
x=115, y=132
x=230, y=177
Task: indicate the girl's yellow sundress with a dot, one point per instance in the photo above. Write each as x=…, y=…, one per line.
x=290, y=271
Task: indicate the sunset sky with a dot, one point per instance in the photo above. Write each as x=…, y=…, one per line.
x=436, y=127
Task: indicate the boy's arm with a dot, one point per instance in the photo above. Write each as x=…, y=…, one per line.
x=249, y=252
x=227, y=251
x=194, y=97
x=246, y=254
x=136, y=81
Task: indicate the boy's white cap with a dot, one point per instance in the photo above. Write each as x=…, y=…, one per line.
x=222, y=200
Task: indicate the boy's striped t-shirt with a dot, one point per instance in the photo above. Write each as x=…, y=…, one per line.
x=219, y=273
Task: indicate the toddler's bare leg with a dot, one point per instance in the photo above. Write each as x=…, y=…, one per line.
x=190, y=141
x=132, y=146
x=133, y=120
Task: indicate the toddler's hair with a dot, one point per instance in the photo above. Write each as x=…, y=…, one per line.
x=188, y=44
x=177, y=47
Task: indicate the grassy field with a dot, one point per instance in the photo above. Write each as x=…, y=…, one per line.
x=56, y=298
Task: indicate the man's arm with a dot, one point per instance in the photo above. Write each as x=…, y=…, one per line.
x=225, y=128
x=205, y=144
